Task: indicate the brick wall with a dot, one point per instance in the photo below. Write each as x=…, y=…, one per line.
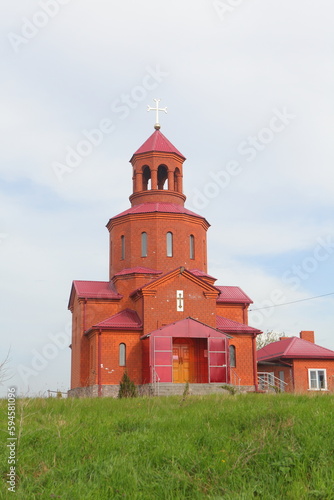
x=160, y=309
x=86, y=314
x=232, y=311
x=156, y=225
x=301, y=367
x=244, y=358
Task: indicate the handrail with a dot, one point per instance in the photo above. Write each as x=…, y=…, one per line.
x=235, y=378
x=156, y=381
x=268, y=380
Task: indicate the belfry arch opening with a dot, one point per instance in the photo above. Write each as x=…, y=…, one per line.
x=177, y=180
x=146, y=178
x=162, y=176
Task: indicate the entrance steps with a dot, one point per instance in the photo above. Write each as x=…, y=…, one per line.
x=170, y=389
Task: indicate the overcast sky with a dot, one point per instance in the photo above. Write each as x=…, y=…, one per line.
x=249, y=91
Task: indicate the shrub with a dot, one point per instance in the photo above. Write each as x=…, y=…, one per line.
x=230, y=388
x=127, y=388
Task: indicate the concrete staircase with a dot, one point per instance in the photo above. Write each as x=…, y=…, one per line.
x=169, y=389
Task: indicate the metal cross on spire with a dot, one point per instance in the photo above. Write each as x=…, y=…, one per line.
x=157, y=109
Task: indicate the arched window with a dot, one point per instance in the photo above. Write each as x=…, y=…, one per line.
x=122, y=247
x=122, y=355
x=192, y=246
x=169, y=244
x=144, y=244
x=232, y=357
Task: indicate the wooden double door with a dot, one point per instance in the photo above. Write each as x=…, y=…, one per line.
x=190, y=363
x=183, y=356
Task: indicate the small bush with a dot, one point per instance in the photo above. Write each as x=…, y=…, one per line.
x=127, y=388
x=230, y=388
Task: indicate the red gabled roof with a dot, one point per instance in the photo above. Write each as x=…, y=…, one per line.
x=145, y=208
x=138, y=270
x=293, y=348
x=233, y=294
x=181, y=270
x=94, y=290
x=188, y=328
x=158, y=142
x=124, y=320
x=230, y=326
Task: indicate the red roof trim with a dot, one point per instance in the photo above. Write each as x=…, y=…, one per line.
x=124, y=320
x=212, y=287
x=145, y=208
x=138, y=270
x=188, y=327
x=233, y=294
x=228, y=325
x=93, y=290
x=293, y=348
x=201, y=274
x=159, y=143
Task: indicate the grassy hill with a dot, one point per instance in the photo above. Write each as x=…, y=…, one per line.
x=215, y=447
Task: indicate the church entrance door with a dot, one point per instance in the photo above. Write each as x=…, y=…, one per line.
x=183, y=361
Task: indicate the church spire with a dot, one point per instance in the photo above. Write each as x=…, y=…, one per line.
x=156, y=109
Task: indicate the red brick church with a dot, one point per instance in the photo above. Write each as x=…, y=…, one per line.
x=160, y=316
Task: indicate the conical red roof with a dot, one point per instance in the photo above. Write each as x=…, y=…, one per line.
x=158, y=142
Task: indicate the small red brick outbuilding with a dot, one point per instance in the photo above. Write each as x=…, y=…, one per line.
x=296, y=364
x=160, y=315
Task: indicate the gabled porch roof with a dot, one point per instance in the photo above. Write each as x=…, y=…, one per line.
x=187, y=328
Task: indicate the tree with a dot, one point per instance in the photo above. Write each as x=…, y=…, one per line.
x=267, y=338
x=4, y=370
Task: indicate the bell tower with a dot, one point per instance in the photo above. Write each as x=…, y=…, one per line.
x=157, y=172
x=157, y=233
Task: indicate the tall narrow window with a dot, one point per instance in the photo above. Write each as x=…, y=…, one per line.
x=169, y=244
x=122, y=355
x=123, y=247
x=192, y=246
x=144, y=244
x=232, y=356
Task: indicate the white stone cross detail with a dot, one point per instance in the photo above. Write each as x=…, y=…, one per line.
x=157, y=109
x=179, y=300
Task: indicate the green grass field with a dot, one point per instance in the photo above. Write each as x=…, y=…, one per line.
x=215, y=447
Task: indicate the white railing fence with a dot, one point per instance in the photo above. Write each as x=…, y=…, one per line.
x=268, y=382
